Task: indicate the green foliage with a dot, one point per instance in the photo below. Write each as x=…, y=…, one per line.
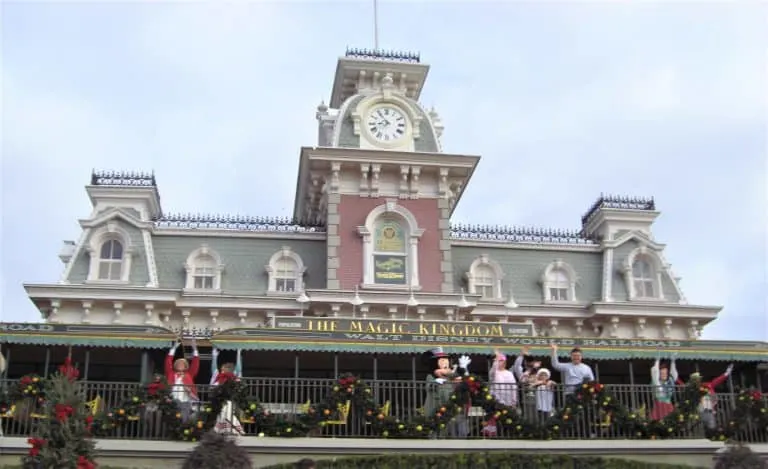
x=483, y=461
x=739, y=457
x=751, y=413
x=62, y=439
x=216, y=450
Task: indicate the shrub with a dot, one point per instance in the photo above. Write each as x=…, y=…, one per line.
x=738, y=457
x=483, y=461
x=216, y=450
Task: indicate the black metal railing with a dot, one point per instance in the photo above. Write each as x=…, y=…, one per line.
x=405, y=401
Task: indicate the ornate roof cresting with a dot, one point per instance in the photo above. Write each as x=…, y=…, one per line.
x=515, y=234
x=123, y=178
x=239, y=223
x=619, y=202
x=385, y=55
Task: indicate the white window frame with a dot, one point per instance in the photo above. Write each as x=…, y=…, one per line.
x=112, y=231
x=191, y=265
x=657, y=269
x=548, y=282
x=391, y=210
x=498, y=277
x=272, y=271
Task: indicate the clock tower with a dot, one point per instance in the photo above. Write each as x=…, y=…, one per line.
x=379, y=179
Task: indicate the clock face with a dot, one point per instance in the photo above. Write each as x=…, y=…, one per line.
x=386, y=124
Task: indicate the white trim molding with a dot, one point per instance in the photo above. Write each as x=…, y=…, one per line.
x=192, y=264
x=391, y=209
x=483, y=261
x=272, y=271
x=548, y=282
x=651, y=257
x=112, y=231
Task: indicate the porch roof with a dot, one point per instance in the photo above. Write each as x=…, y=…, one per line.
x=86, y=335
x=594, y=348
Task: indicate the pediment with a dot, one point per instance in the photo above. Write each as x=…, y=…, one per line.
x=638, y=236
x=115, y=213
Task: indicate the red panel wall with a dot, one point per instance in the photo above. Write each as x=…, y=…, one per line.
x=353, y=211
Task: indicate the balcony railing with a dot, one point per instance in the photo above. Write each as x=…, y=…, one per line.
x=286, y=405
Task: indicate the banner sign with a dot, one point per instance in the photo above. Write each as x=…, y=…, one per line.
x=428, y=333
x=47, y=328
x=389, y=270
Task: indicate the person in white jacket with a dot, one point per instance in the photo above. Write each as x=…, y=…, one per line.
x=503, y=383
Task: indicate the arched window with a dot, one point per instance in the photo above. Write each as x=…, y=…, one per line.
x=110, y=250
x=642, y=277
x=484, y=278
x=390, y=248
x=205, y=272
x=642, y=274
x=286, y=272
x=111, y=260
x=390, y=256
x=558, y=283
x=204, y=269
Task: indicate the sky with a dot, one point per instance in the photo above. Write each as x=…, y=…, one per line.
x=563, y=101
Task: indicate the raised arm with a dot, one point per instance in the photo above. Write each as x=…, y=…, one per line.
x=517, y=367
x=239, y=365
x=194, y=363
x=673, y=370
x=555, y=362
x=214, y=365
x=721, y=379
x=655, y=373
x=169, y=361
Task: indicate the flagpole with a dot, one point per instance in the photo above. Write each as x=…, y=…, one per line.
x=375, y=25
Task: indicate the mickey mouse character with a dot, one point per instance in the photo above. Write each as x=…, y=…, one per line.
x=440, y=384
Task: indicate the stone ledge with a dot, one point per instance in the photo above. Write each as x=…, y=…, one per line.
x=361, y=446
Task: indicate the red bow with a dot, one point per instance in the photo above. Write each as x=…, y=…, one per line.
x=68, y=370
x=85, y=463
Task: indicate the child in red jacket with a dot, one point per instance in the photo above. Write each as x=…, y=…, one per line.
x=708, y=403
x=181, y=376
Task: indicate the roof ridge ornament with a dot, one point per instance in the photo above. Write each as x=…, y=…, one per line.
x=383, y=55
x=620, y=202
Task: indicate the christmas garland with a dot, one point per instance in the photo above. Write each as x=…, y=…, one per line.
x=751, y=412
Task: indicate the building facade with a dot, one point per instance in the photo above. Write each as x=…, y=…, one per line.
x=370, y=237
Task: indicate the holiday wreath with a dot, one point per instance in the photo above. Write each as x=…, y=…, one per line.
x=750, y=413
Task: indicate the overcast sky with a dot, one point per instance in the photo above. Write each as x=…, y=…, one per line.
x=562, y=100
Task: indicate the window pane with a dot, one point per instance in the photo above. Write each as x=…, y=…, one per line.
x=287, y=285
x=285, y=268
x=486, y=291
x=558, y=278
x=110, y=270
x=204, y=282
x=648, y=288
x=558, y=294
x=111, y=249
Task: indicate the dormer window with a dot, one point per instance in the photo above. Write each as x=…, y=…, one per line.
x=484, y=278
x=642, y=276
x=111, y=251
x=111, y=260
x=204, y=269
x=558, y=283
x=642, y=271
x=285, y=271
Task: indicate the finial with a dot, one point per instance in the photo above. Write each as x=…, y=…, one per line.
x=322, y=107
